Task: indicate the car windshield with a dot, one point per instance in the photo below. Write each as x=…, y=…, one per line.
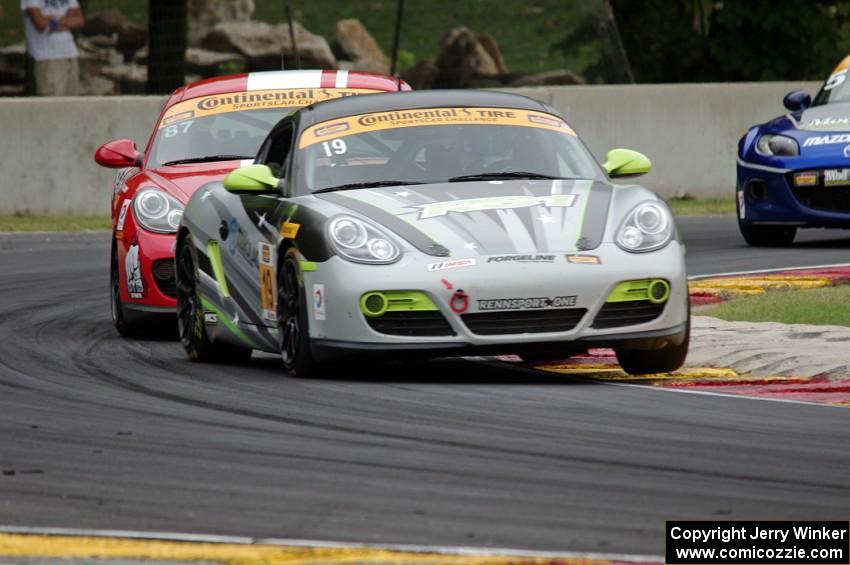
x=440, y=145
x=229, y=126
x=835, y=89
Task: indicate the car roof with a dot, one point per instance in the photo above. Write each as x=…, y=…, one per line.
x=353, y=105
x=314, y=78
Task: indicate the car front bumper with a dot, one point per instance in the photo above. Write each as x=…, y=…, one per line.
x=766, y=196
x=338, y=325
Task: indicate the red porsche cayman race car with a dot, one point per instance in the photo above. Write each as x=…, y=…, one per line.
x=205, y=130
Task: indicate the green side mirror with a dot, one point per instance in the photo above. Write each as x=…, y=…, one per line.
x=252, y=178
x=626, y=163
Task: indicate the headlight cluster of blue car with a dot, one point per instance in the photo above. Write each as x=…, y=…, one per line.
x=362, y=242
x=646, y=228
x=771, y=144
x=156, y=211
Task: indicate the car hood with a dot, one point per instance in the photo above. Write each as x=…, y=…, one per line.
x=826, y=118
x=822, y=132
x=488, y=217
x=183, y=180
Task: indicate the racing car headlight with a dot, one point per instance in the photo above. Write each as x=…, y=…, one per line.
x=156, y=211
x=362, y=242
x=647, y=227
x=781, y=145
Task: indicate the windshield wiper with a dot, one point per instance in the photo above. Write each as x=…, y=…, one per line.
x=505, y=175
x=207, y=159
x=370, y=184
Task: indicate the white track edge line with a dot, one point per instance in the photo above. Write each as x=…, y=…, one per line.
x=243, y=540
x=757, y=271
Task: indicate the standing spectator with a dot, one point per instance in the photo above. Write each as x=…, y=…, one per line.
x=48, y=25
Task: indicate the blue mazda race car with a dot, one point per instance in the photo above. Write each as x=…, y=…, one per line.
x=794, y=170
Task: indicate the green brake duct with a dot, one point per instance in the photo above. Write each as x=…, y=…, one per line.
x=656, y=291
x=378, y=303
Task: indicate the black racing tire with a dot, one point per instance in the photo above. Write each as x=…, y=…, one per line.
x=767, y=236
x=125, y=323
x=293, y=325
x=643, y=362
x=190, y=314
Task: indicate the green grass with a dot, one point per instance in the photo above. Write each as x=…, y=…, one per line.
x=23, y=223
x=524, y=29
x=704, y=207
x=819, y=306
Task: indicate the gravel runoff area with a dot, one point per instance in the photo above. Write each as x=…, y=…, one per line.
x=769, y=348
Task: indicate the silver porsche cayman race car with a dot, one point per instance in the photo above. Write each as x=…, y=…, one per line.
x=431, y=224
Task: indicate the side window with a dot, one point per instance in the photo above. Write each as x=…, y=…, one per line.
x=276, y=150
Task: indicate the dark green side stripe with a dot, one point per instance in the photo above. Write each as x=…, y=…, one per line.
x=595, y=216
x=415, y=237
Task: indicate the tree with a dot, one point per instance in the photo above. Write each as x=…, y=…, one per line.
x=706, y=40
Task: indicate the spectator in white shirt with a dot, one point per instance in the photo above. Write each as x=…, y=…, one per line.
x=48, y=25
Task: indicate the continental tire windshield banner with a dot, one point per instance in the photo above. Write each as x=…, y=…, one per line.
x=378, y=121
x=757, y=543
x=254, y=100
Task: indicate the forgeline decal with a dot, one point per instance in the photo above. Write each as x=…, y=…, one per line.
x=827, y=139
x=453, y=264
x=254, y=100
x=526, y=303
x=522, y=259
x=437, y=209
x=379, y=121
x=319, y=302
x=817, y=123
x=289, y=230
x=133, y=273
x=584, y=259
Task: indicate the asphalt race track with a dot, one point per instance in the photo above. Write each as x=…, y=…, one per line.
x=100, y=432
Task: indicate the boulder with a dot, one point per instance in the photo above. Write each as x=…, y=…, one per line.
x=13, y=61
x=354, y=43
x=96, y=85
x=464, y=55
x=313, y=49
x=204, y=15
x=262, y=45
x=131, y=39
x=422, y=75
x=211, y=63
x=107, y=22
x=555, y=77
x=129, y=78
x=128, y=36
x=11, y=89
x=257, y=42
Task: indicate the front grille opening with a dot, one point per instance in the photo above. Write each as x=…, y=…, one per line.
x=524, y=321
x=163, y=274
x=616, y=314
x=413, y=323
